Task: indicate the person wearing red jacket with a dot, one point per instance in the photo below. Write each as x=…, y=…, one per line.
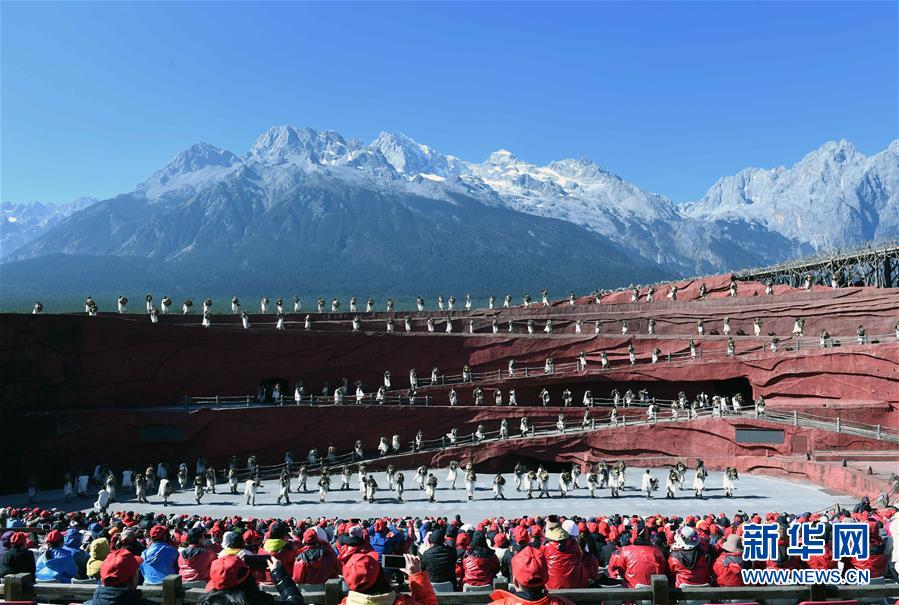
x=729, y=564
x=353, y=541
x=784, y=560
x=530, y=573
x=688, y=563
x=877, y=559
x=479, y=564
x=825, y=560
x=369, y=585
x=636, y=563
x=195, y=557
x=278, y=545
x=564, y=559
x=316, y=561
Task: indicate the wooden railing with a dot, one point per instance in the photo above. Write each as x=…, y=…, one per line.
x=21, y=587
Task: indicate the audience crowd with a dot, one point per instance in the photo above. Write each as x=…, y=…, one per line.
x=124, y=550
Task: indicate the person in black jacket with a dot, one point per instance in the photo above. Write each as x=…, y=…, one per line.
x=17, y=558
x=440, y=560
x=606, y=551
x=231, y=583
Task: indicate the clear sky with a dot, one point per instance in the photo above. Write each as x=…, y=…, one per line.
x=96, y=96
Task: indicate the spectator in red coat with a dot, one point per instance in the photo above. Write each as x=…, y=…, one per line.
x=353, y=541
x=784, y=560
x=564, y=558
x=195, y=557
x=636, y=563
x=529, y=576
x=278, y=545
x=316, y=561
x=479, y=564
x=823, y=561
x=369, y=585
x=729, y=564
x=688, y=563
x=877, y=559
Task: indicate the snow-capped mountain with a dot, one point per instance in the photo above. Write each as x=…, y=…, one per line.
x=192, y=169
x=834, y=196
x=21, y=223
x=312, y=207
x=315, y=206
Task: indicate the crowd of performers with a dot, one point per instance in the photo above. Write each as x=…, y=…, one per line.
x=682, y=407
x=280, y=309
x=279, y=306
x=533, y=553
x=301, y=478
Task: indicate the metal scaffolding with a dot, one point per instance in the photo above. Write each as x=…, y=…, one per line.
x=874, y=264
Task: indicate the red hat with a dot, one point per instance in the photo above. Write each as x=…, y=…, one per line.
x=250, y=537
x=519, y=534
x=500, y=540
x=529, y=568
x=159, y=533
x=361, y=570
x=309, y=536
x=54, y=537
x=18, y=539
x=227, y=572
x=119, y=567
x=380, y=525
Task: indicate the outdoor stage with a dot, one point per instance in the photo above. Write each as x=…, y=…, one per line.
x=754, y=493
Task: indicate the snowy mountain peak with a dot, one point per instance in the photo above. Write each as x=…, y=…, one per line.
x=501, y=157
x=838, y=152
x=281, y=144
x=578, y=169
x=197, y=157
x=411, y=158
x=192, y=167
x=834, y=196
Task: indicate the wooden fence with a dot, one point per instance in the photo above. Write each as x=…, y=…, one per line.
x=21, y=587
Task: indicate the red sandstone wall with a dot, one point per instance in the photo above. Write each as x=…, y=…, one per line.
x=68, y=361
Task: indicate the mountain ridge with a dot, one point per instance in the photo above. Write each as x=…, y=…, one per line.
x=206, y=198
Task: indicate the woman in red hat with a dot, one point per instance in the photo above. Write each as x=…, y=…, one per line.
x=316, y=562
x=529, y=576
x=55, y=563
x=17, y=558
x=231, y=583
x=369, y=585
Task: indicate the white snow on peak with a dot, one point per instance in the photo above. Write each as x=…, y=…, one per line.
x=833, y=196
x=828, y=198
x=192, y=168
x=575, y=190
x=287, y=144
x=409, y=157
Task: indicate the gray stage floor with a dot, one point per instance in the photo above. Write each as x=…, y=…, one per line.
x=754, y=493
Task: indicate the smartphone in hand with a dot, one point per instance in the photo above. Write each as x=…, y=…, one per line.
x=394, y=562
x=256, y=561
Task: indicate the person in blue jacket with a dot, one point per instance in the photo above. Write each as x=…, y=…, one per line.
x=160, y=558
x=72, y=543
x=385, y=540
x=55, y=564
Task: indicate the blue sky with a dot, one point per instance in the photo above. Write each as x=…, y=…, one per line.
x=95, y=97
